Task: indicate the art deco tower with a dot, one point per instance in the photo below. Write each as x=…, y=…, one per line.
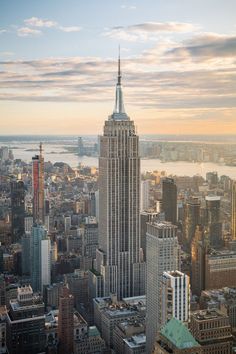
x=118, y=257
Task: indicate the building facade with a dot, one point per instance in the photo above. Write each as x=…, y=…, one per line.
x=66, y=322
x=38, y=186
x=233, y=210
x=162, y=255
x=213, y=222
x=118, y=257
x=211, y=328
x=17, y=210
x=169, y=199
x=175, y=296
x=191, y=220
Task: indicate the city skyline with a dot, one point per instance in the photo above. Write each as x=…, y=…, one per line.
x=58, y=65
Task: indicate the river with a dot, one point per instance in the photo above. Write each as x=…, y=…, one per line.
x=56, y=153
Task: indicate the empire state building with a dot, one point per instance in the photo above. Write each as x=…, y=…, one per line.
x=119, y=257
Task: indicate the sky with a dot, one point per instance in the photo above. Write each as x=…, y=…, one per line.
x=58, y=65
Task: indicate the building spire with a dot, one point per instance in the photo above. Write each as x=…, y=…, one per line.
x=119, y=110
x=119, y=71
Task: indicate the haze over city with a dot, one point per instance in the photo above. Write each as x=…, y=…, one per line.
x=58, y=65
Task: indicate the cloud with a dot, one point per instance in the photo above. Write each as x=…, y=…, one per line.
x=205, y=47
x=70, y=29
x=3, y=31
x=38, y=22
x=170, y=76
x=129, y=7
x=148, y=30
x=7, y=54
x=28, y=32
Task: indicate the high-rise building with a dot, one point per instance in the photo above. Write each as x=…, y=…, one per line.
x=162, y=255
x=66, y=321
x=40, y=258
x=17, y=210
x=38, y=187
x=213, y=222
x=118, y=257
x=25, y=323
x=233, y=210
x=169, y=199
x=25, y=259
x=175, y=296
x=145, y=217
x=191, y=220
x=199, y=247
x=145, y=195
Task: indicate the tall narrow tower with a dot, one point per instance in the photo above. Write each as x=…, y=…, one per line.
x=118, y=257
x=38, y=186
x=233, y=210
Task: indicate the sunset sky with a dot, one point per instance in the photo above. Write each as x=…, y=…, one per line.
x=58, y=65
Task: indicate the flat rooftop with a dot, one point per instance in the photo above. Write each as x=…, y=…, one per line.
x=205, y=315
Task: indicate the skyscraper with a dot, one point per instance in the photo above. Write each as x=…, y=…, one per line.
x=145, y=195
x=118, y=257
x=191, y=220
x=38, y=186
x=66, y=321
x=39, y=258
x=169, y=199
x=17, y=210
x=199, y=247
x=162, y=255
x=233, y=210
x=213, y=223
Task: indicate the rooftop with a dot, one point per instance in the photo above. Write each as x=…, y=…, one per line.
x=136, y=341
x=209, y=314
x=178, y=334
x=212, y=198
x=93, y=331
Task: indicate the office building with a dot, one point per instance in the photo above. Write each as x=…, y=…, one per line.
x=109, y=312
x=199, y=248
x=175, y=338
x=3, y=330
x=145, y=217
x=220, y=269
x=25, y=323
x=212, y=331
x=25, y=259
x=118, y=257
x=162, y=255
x=129, y=337
x=169, y=200
x=213, y=223
x=38, y=187
x=145, y=195
x=17, y=210
x=174, y=296
x=40, y=258
x=233, y=210
x=191, y=220
x=66, y=322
